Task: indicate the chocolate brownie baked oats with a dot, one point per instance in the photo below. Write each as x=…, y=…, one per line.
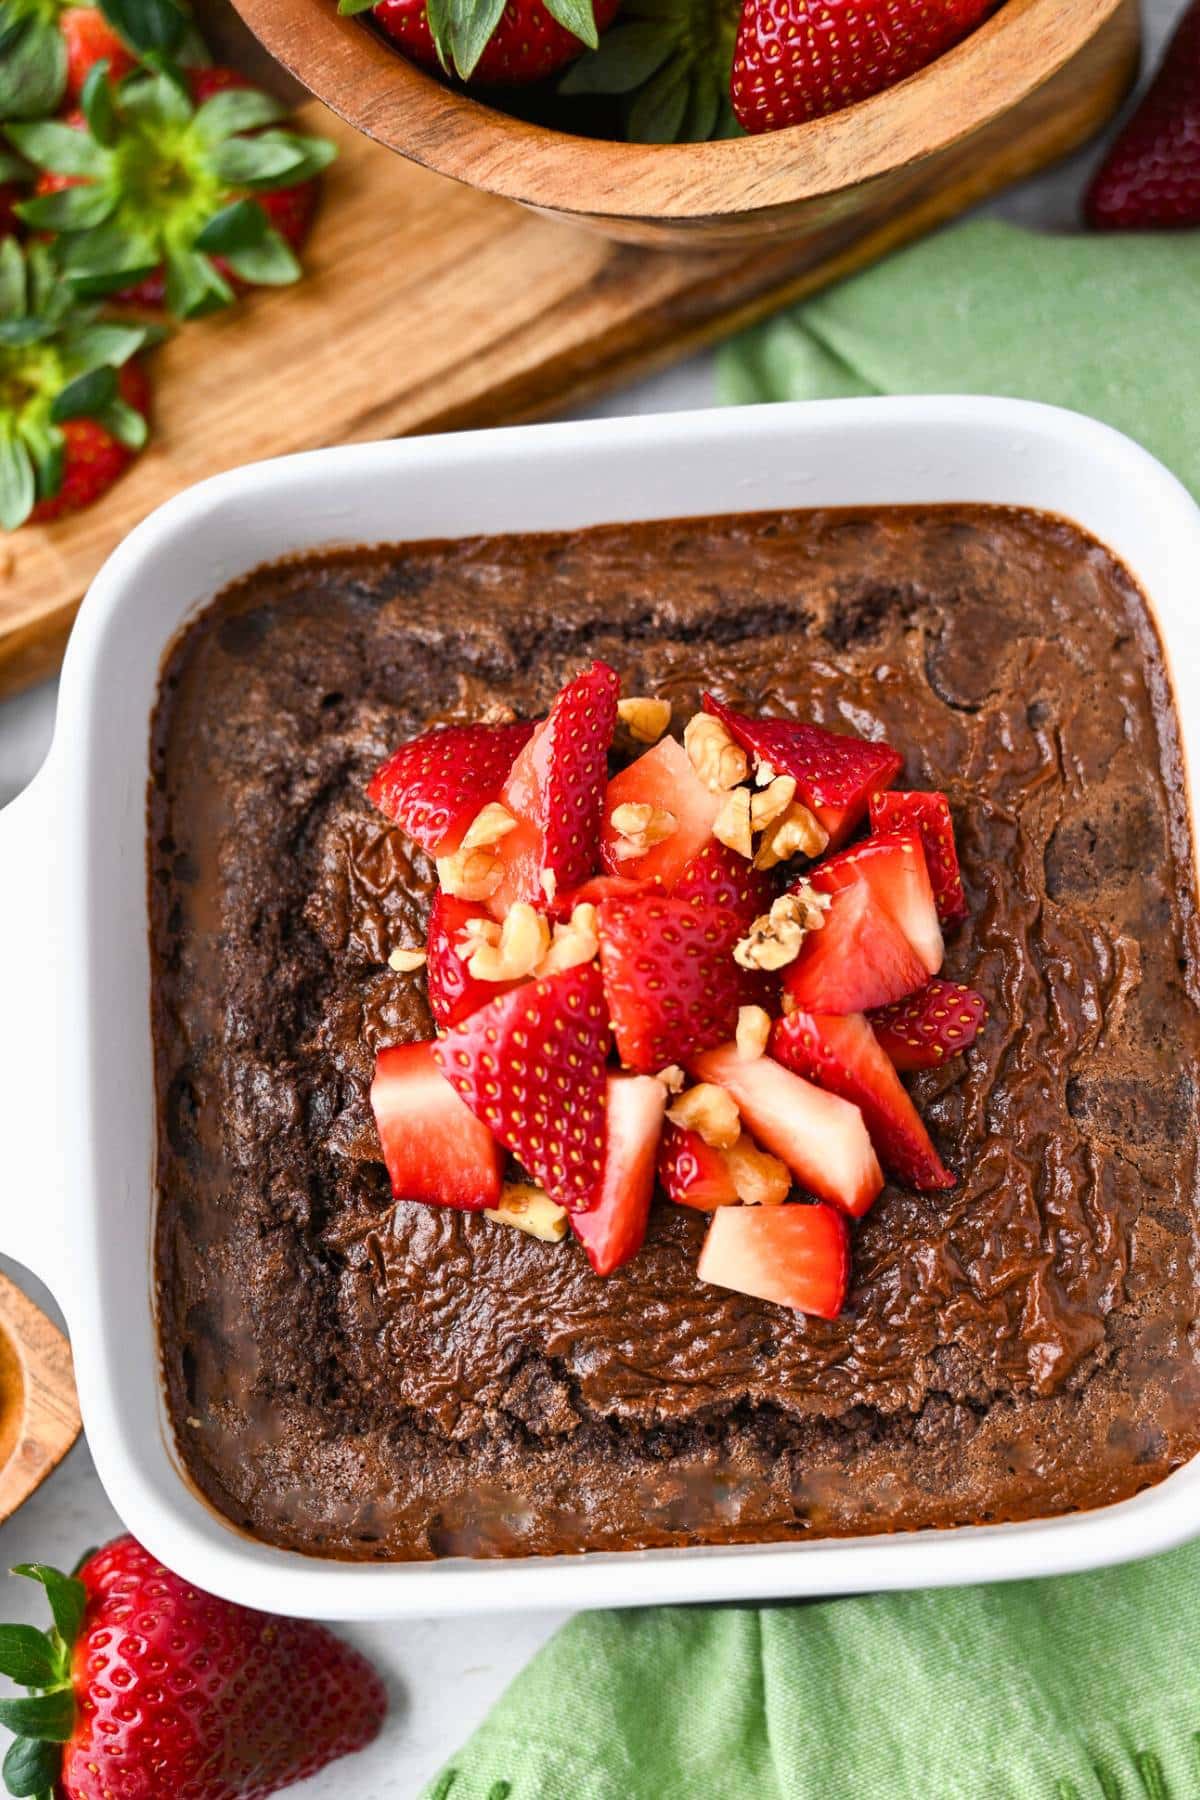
x=356, y=1376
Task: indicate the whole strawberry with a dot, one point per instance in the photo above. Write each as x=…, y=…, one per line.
x=799, y=59
x=1151, y=176
x=147, y=1687
x=502, y=44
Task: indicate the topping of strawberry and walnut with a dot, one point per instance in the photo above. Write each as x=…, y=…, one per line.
x=663, y=975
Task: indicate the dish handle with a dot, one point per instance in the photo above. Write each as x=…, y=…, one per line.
x=32, y=1187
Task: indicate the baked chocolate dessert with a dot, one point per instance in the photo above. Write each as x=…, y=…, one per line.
x=355, y=1377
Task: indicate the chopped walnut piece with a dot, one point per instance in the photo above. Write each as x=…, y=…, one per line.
x=764, y=774
x=672, y=1078
x=772, y=801
x=775, y=937
x=488, y=826
x=795, y=833
x=639, y=828
x=523, y=941
x=732, y=824
x=760, y=1180
x=717, y=760
x=404, y=961
x=530, y=1210
x=812, y=904
x=549, y=881
x=497, y=712
x=645, y=720
x=709, y=1110
x=753, y=1030
x=578, y=941
x=471, y=874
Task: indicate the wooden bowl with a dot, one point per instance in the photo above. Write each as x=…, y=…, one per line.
x=1030, y=85
x=39, y=1414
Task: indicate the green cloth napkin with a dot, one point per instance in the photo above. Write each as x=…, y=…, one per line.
x=1083, y=1688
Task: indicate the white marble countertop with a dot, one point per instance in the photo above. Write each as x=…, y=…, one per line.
x=442, y=1674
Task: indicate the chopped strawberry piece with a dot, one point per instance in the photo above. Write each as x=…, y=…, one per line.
x=842, y=1056
x=835, y=774
x=435, y=1148
x=556, y=792
x=454, y=993
x=859, y=958
x=433, y=786
x=692, y=1172
x=797, y=1256
x=928, y=814
x=600, y=887
x=717, y=877
x=670, y=980
x=614, y=1228
x=821, y=1137
x=893, y=866
x=531, y=1066
x=664, y=780
x=939, y=1020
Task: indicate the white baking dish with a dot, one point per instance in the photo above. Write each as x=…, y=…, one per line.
x=76, y=1096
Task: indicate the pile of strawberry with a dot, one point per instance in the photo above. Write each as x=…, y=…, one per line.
x=685, y=972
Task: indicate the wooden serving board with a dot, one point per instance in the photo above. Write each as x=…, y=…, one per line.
x=39, y=1414
x=431, y=306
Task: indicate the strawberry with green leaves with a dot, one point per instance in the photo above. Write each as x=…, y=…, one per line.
x=72, y=402
x=151, y=177
x=46, y=50
x=496, y=43
x=669, y=63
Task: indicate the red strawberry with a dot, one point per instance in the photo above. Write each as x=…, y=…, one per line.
x=835, y=775
x=531, y=1066
x=720, y=879
x=555, y=791
x=526, y=43
x=842, y=1056
x=665, y=780
x=614, y=1229
x=454, y=993
x=692, y=1172
x=435, y=1149
x=939, y=1020
x=859, y=958
x=433, y=786
x=893, y=866
x=670, y=980
x=591, y=893
x=1151, y=176
x=92, y=457
x=797, y=1256
x=799, y=59
x=154, y=1687
x=90, y=39
x=820, y=1137
x=929, y=815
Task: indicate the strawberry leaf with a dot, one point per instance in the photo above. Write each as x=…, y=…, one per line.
x=348, y=8
x=125, y=423
x=158, y=98
x=576, y=16
x=96, y=101
x=33, y=67
x=269, y=263
x=148, y=25
x=107, y=258
x=461, y=30
x=31, y=1767
x=59, y=148
x=238, y=226
x=12, y=279
x=240, y=162
x=194, y=284
x=628, y=55
x=72, y=209
x=657, y=115
x=234, y=110
x=673, y=57
x=67, y=1597
x=49, y=1715
x=28, y=1657
x=47, y=451
x=17, y=495
x=87, y=346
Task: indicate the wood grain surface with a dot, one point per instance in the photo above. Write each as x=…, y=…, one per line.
x=432, y=306
x=39, y=1414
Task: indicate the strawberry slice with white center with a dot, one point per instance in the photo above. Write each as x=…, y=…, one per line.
x=531, y=1066
x=859, y=958
x=842, y=1056
x=893, y=866
x=942, y=1019
x=692, y=1172
x=614, y=1228
x=821, y=1137
x=665, y=781
x=555, y=791
x=433, y=786
x=670, y=980
x=797, y=1256
x=717, y=877
x=835, y=774
x=928, y=814
x=435, y=1148
x=454, y=993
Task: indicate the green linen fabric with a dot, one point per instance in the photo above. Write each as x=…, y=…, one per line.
x=1081, y=1688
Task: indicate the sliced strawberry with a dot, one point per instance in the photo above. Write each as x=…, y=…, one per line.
x=717, y=877
x=454, y=993
x=797, y=1256
x=842, y=1056
x=556, y=792
x=929, y=815
x=670, y=980
x=614, y=1229
x=859, y=958
x=434, y=1147
x=692, y=1172
x=600, y=887
x=893, y=866
x=939, y=1020
x=835, y=775
x=821, y=1137
x=433, y=786
x=531, y=1066
x=663, y=779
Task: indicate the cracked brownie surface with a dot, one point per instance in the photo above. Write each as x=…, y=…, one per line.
x=353, y=1377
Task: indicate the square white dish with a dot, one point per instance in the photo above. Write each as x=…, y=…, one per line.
x=76, y=1081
